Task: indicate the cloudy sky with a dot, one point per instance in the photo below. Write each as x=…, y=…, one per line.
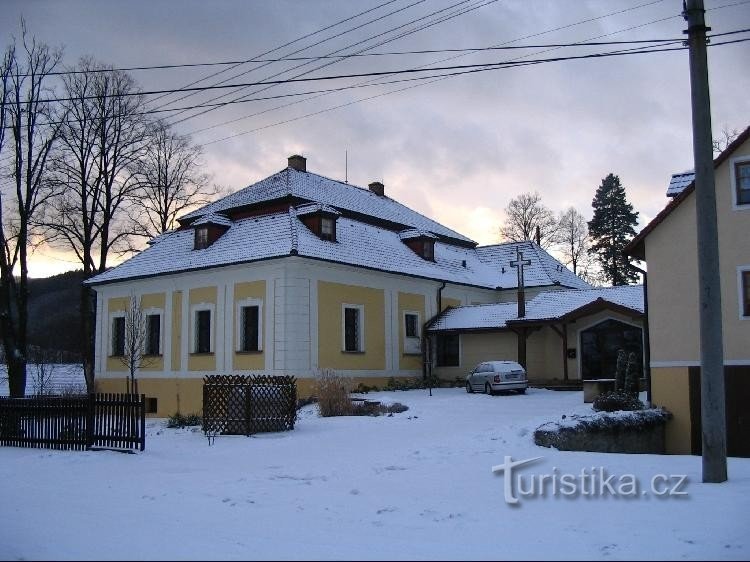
x=456, y=149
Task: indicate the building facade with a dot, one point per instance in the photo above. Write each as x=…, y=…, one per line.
x=669, y=246
x=292, y=275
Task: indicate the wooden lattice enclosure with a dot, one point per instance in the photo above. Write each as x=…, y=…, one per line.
x=243, y=405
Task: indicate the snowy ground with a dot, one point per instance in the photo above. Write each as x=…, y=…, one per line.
x=415, y=485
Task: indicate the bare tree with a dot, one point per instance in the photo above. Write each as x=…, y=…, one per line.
x=102, y=138
x=136, y=339
x=43, y=371
x=573, y=237
x=725, y=139
x=35, y=125
x=169, y=175
x=524, y=214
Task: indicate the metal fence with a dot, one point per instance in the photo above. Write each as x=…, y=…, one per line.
x=243, y=405
x=108, y=421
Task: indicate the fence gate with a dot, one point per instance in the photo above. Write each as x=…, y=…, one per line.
x=243, y=405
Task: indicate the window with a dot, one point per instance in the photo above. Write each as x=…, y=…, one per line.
x=153, y=334
x=742, y=182
x=202, y=331
x=412, y=343
x=428, y=250
x=745, y=293
x=327, y=229
x=353, y=328
x=447, y=350
x=411, y=322
x=250, y=328
x=118, y=336
x=201, y=238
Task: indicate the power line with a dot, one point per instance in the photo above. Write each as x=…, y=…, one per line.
x=313, y=45
x=460, y=73
x=648, y=3
x=444, y=17
x=387, y=2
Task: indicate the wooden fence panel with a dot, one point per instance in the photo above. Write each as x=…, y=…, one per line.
x=76, y=422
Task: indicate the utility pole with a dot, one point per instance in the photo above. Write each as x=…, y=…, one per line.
x=713, y=420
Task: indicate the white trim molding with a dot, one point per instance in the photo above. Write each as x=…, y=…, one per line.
x=360, y=327
x=193, y=343
x=245, y=303
x=733, y=182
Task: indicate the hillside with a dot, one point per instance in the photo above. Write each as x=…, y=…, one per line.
x=54, y=312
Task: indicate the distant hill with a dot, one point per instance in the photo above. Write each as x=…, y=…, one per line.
x=54, y=312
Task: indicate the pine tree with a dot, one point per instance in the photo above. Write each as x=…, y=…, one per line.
x=611, y=229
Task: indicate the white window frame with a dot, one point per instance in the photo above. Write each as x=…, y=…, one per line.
x=361, y=326
x=110, y=345
x=740, y=295
x=151, y=312
x=415, y=342
x=194, y=309
x=733, y=182
x=238, y=325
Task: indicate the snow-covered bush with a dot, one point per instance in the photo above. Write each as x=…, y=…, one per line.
x=616, y=401
x=178, y=420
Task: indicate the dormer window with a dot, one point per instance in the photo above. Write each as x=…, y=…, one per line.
x=320, y=219
x=422, y=243
x=209, y=229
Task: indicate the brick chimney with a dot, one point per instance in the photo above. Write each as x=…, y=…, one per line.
x=377, y=188
x=298, y=163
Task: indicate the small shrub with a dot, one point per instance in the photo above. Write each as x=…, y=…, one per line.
x=178, y=420
x=365, y=388
x=302, y=402
x=369, y=408
x=617, y=400
x=332, y=391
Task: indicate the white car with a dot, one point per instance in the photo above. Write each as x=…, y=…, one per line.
x=494, y=376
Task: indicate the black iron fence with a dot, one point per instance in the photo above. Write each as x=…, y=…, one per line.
x=243, y=405
x=110, y=421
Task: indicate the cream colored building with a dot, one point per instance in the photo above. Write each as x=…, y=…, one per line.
x=669, y=246
x=294, y=274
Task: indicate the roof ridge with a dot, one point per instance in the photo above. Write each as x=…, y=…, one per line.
x=294, y=250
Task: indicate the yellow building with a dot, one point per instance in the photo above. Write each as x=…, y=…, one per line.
x=294, y=274
x=669, y=246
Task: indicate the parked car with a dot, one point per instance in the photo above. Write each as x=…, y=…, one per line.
x=494, y=376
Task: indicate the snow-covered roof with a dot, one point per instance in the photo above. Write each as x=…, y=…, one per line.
x=544, y=269
x=548, y=305
x=53, y=378
x=357, y=243
x=310, y=208
x=213, y=218
x=680, y=181
x=414, y=233
x=343, y=196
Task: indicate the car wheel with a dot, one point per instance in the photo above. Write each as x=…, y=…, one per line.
x=522, y=391
x=488, y=389
x=468, y=388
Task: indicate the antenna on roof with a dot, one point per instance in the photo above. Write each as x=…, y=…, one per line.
x=346, y=166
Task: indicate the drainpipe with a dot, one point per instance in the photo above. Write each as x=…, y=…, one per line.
x=426, y=351
x=646, y=337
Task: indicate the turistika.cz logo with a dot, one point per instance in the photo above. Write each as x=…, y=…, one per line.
x=589, y=482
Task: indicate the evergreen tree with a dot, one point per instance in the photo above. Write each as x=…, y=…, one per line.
x=611, y=229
